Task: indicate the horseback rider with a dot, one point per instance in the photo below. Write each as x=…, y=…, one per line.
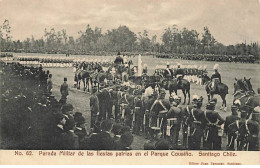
x=119, y=59
x=145, y=69
x=179, y=74
x=215, y=78
x=168, y=73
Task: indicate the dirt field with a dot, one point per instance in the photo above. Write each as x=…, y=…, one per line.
x=229, y=71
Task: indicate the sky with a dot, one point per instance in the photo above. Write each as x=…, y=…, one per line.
x=230, y=21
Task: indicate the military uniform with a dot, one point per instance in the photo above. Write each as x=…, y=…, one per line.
x=94, y=109
x=138, y=114
x=64, y=90
x=230, y=134
x=174, y=119
x=213, y=130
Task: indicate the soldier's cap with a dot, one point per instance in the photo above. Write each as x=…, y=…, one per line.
x=77, y=114
x=65, y=79
x=80, y=120
x=66, y=108
x=127, y=139
x=234, y=107
x=162, y=91
x=162, y=145
x=195, y=97
x=256, y=110
x=210, y=104
x=214, y=100
x=117, y=129
x=59, y=116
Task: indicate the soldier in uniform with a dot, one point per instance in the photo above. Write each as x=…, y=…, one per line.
x=64, y=90
x=174, y=119
x=94, y=107
x=253, y=129
x=196, y=122
x=229, y=120
x=179, y=74
x=215, y=78
x=159, y=111
x=138, y=112
x=49, y=84
x=214, y=121
x=168, y=73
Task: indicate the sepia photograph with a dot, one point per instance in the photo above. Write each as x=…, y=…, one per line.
x=111, y=76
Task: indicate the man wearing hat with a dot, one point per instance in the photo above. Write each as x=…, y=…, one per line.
x=253, y=130
x=174, y=119
x=230, y=134
x=214, y=121
x=94, y=107
x=64, y=90
x=159, y=111
x=138, y=112
x=168, y=73
x=215, y=78
x=196, y=122
x=179, y=74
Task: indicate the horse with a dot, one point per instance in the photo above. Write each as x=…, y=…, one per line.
x=221, y=89
x=173, y=85
x=245, y=95
x=83, y=75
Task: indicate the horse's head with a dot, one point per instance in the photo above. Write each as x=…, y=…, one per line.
x=239, y=85
x=248, y=84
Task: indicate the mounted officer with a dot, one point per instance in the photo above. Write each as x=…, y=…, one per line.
x=179, y=74
x=215, y=78
x=168, y=73
x=119, y=59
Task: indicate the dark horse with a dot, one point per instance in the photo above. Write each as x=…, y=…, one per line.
x=245, y=95
x=173, y=85
x=84, y=76
x=221, y=89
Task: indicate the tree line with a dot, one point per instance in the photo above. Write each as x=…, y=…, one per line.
x=94, y=41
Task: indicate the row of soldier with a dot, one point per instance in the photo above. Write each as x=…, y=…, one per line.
x=211, y=57
x=149, y=113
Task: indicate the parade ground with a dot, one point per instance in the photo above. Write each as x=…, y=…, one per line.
x=228, y=71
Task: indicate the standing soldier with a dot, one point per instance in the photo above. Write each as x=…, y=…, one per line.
x=138, y=112
x=159, y=111
x=253, y=129
x=174, y=119
x=49, y=85
x=145, y=71
x=64, y=90
x=94, y=108
x=196, y=122
x=212, y=131
x=230, y=134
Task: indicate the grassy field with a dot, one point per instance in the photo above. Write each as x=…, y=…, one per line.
x=229, y=71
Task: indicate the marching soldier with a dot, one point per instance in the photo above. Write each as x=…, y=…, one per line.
x=94, y=108
x=174, y=118
x=230, y=134
x=64, y=90
x=213, y=132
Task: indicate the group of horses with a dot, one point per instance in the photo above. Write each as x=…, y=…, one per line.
x=95, y=74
